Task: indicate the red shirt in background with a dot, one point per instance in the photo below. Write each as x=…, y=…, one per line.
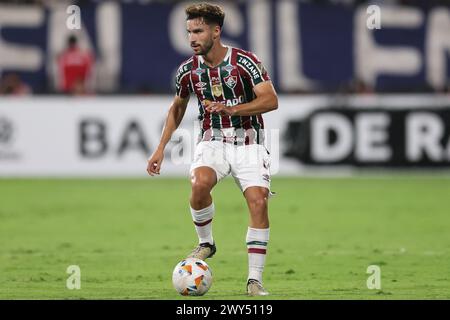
x=75, y=67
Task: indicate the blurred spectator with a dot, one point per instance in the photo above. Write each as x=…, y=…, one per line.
x=75, y=69
x=12, y=84
x=447, y=88
x=360, y=87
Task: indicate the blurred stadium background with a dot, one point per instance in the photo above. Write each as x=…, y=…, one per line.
x=90, y=103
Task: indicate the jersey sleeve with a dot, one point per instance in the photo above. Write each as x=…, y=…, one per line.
x=182, y=81
x=253, y=68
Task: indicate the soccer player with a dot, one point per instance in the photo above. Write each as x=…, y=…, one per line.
x=233, y=91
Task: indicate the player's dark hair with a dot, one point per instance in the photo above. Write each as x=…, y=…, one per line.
x=211, y=14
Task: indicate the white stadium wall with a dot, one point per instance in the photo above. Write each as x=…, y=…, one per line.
x=113, y=136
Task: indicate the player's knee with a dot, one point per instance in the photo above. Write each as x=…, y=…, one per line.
x=201, y=186
x=200, y=196
x=256, y=197
x=259, y=202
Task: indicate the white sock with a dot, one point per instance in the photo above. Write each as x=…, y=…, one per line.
x=257, y=240
x=203, y=223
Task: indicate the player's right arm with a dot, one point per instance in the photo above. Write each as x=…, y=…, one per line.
x=173, y=120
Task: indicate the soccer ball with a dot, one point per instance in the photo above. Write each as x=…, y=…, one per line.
x=192, y=277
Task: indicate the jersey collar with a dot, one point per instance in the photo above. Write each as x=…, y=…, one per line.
x=227, y=56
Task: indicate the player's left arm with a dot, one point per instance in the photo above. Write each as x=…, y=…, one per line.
x=266, y=100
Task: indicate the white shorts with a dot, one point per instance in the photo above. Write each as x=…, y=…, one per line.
x=248, y=164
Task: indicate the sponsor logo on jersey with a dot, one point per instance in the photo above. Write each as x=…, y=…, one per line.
x=200, y=86
x=232, y=102
x=181, y=72
x=199, y=71
x=230, y=81
x=250, y=67
x=228, y=68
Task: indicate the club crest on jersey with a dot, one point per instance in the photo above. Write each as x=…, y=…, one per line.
x=199, y=71
x=230, y=81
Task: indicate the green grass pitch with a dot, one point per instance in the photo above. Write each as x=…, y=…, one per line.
x=127, y=236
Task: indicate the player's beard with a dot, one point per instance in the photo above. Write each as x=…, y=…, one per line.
x=206, y=48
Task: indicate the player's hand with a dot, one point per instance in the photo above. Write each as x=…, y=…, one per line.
x=154, y=162
x=215, y=107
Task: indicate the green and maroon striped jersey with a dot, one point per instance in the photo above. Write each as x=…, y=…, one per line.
x=230, y=83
